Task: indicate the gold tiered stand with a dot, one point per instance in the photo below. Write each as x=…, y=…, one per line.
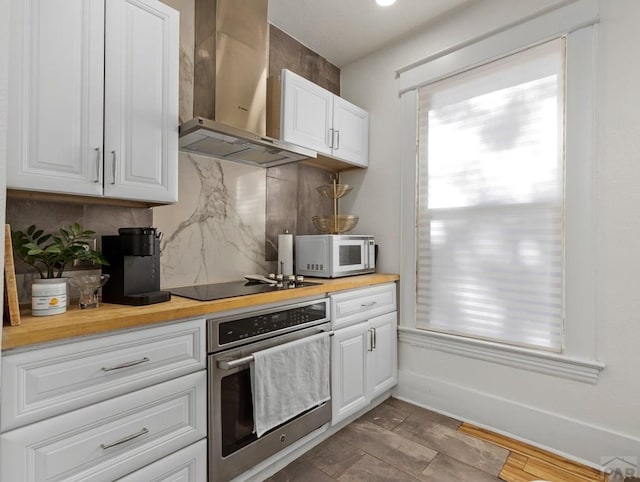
x=337, y=223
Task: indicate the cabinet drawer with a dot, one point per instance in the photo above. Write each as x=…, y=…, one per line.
x=186, y=465
x=109, y=439
x=41, y=383
x=354, y=306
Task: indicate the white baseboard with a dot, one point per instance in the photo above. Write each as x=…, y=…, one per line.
x=574, y=439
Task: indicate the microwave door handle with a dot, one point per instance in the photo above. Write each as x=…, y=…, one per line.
x=372, y=254
x=368, y=255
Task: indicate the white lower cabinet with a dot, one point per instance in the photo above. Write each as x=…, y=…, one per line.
x=41, y=383
x=104, y=407
x=383, y=359
x=349, y=360
x=109, y=439
x=363, y=364
x=186, y=465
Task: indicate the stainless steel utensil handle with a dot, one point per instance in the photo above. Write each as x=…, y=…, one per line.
x=113, y=167
x=229, y=364
x=98, y=158
x=125, y=439
x=370, y=330
x=337, y=140
x=365, y=305
x=331, y=132
x=125, y=365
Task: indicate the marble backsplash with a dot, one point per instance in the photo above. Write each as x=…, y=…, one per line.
x=226, y=222
x=216, y=231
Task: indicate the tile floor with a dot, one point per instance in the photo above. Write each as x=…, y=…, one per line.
x=397, y=441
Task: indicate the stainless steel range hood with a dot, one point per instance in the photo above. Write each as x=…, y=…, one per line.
x=230, y=87
x=210, y=138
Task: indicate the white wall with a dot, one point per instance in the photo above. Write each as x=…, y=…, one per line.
x=584, y=421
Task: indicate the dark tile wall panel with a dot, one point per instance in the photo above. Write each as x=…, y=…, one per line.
x=285, y=52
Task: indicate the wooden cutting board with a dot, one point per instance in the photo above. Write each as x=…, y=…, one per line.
x=12, y=307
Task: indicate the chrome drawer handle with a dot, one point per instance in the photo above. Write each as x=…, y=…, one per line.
x=125, y=439
x=364, y=305
x=126, y=365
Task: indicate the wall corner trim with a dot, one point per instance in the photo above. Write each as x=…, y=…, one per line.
x=557, y=365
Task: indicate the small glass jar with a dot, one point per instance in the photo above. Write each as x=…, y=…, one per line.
x=48, y=296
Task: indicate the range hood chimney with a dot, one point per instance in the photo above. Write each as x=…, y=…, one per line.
x=230, y=87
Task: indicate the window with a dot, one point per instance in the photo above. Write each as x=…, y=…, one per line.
x=561, y=339
x=491, y=201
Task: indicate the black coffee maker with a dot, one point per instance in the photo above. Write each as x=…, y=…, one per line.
x=134, y=267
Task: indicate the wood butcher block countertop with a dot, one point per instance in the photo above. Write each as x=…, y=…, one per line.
x=109, y=317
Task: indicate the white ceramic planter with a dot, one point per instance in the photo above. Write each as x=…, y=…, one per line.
x=49, y=296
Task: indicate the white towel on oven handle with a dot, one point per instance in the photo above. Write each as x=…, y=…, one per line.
x=289, y=379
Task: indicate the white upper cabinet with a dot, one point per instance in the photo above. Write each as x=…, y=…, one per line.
x=350, y=132
x=307, y=118
x=315, y=118
x=94, y=98
x=141, y=100
x=56, y=83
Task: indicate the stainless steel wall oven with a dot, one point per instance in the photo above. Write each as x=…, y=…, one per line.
x=231, y=341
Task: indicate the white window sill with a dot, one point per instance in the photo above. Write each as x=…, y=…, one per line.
x=548, y=363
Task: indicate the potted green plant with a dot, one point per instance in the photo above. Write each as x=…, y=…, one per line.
x=50, y=254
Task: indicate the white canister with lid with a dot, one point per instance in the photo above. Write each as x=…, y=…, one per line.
x=48, y=296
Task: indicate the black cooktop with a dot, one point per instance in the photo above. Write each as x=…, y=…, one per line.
x=218, y=291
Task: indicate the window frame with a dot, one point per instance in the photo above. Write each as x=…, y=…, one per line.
x=578, y=23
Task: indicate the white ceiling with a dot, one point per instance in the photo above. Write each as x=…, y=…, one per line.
x=345, y=30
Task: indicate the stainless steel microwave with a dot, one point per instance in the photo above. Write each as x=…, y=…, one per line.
x=334, y=255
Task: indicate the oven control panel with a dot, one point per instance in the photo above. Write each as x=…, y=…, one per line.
x=262, y=323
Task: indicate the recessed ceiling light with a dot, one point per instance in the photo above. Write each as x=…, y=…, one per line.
x=385, y=3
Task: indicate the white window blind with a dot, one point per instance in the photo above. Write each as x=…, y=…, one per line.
x=490, y=201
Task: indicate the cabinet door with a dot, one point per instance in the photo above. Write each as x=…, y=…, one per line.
x=349, y=349
x=383, y=359
x=355, y=306
x=110, y=439
x=55, y=103
x=351, y=137
x=141, y=101
x=42, y=382
x=186, y=465
x=307, y=112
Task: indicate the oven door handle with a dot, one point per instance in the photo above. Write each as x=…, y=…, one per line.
x=230, y=364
